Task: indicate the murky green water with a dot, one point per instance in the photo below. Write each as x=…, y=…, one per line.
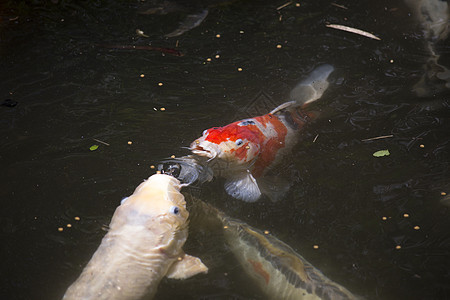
x=69, y=91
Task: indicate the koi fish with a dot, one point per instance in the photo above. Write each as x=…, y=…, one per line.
x=144, y=244
x=279, y=271
x=245, y=150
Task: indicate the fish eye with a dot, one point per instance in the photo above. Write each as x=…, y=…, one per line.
x=205, y=131
x=239, y=142
x=175, y=210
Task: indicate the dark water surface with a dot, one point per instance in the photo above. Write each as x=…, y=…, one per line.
x=69, y=90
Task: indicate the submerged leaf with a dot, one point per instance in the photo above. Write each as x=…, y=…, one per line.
x=93, y=147
x=381, y=153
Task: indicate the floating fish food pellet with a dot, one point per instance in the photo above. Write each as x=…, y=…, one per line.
x=208, y=59
x=279, y=46
x=316, y=246
x=130, y=142
x=142, y=75
x=69, y=225
x=162, y=109
x=77, y=218
x=383, y=218
x=398, y=247
x=416, y=227
x=217, y=56
x=217, y=35
x=239, y=69
x=152, y=167
x=266, y=231
x=60, y=229
x=406, y=215
x=160, y=83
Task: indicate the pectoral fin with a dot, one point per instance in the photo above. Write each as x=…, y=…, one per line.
x=187, y=267
x=243, y=186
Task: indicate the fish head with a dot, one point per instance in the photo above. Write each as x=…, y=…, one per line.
x=156, y=210
x=235, y=143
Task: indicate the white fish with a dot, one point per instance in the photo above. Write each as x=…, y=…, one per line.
x=144, y=244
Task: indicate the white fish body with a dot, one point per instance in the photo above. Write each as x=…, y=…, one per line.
x=144, y=244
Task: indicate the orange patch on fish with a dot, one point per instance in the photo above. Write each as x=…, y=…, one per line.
x=258, y=268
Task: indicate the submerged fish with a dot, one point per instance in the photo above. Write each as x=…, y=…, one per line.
x=248, y=148
x=144, y=244
x=434, y=18
x=278, y=270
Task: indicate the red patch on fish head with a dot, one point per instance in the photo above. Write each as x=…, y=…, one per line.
x=238, y=143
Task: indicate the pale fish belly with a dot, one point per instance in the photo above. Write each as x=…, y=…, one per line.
x=121, y=269
x=279, y=271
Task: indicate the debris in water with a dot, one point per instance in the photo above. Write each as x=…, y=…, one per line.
x=339, y=5
x=101, y=142
x=93, y=147
x=381, y=153
x=353, y=30
x=377, y=138
x=9, y=103
x=141, y=33
x=151, y=48
x=284, y=5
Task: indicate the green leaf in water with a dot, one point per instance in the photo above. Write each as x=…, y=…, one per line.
x=93, y=147
x=381, y=153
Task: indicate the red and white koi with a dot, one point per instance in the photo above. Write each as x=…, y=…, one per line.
x=251, y=147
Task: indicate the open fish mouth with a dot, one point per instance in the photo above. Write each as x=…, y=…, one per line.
x=203, y=151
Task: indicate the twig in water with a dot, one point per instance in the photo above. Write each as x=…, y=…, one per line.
x=353, y=30
x=284, y=5
x=315, y=138
x=378, y=138
x=151, y=48
x=338, y=5
x=101, y=142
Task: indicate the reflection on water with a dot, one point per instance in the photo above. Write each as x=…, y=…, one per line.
x=379, y=223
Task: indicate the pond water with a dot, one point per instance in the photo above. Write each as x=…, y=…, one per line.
x=381, y=224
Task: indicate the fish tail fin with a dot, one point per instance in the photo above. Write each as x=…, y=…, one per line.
x=313, y=87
